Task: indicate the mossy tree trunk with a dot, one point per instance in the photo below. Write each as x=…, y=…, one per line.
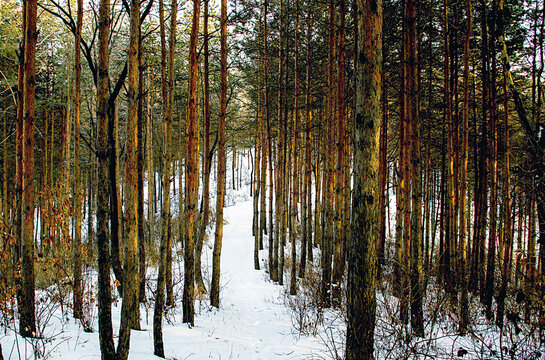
x=361, y=297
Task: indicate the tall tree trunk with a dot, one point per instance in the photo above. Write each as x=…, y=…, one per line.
x=401, y=181
x=405, y=169
x=531, y=246
x=262, y=179
x=429, y=196
x=383, y=175
x=91, y=198
x=328, y=238
x=115, y=201
x=140, y=179
x=27, y=319
x=171, y=53
x=295, y=177
x=266, y=108
x=78, y=287
x=215, y=284
x=130, y=292
x=481, y=195
x=416, y=275
x=165, y=212
x=361, y=297
x=450, y=196
x=318, y=209
x=307, y=197
x=67, y=147
x=492, y=235
x=464, y=303
x=257, y=184
x=149, y=155
x=5, y=195
x=207, y=157
x=105, y=329
x=507, y=234
x=191, y=173
x=275, y=271
x=338, y=263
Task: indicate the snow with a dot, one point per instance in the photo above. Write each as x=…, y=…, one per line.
x=252, y=322
x=257, y=319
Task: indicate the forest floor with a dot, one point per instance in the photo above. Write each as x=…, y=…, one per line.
x=257, y=319
x=253, y=321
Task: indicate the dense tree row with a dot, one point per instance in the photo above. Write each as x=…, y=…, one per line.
x=121, y=242
x=460, y=147
x=393, y=144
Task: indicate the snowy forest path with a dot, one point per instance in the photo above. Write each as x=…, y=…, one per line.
x=253, y=321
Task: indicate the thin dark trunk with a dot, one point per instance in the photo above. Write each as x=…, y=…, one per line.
x=78, y=286
x=207, y=157
x=105, y=329
x=214, y=287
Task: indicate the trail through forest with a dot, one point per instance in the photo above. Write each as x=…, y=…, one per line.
x=252, y=322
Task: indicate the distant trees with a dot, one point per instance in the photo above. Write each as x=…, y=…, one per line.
x=450, y=178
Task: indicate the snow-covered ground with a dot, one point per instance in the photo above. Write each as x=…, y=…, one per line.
x=252, y=322
x=257, y=319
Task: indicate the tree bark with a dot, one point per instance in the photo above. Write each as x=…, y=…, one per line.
x=266, y=108
x=492, y=235
x=27, y=320
x=413, y=117
x=257, y=187
x=214, y=286
x=115, y=197
x=295, y=177
x=207, y=157
x=277, y=245
x=105, y=329
x=464, y=302
x=307, y=197
x=171, y=52
x=361, y=297
x=191, y=174
x=383, y=176
x=149, y=156
x=339, y=259
x=328, y=238
x=165, y=212
x=78, y=287
x=130, y=291
x=140, y=179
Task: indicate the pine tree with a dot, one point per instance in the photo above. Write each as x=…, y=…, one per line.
x=362, y=259
x=218, y=236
